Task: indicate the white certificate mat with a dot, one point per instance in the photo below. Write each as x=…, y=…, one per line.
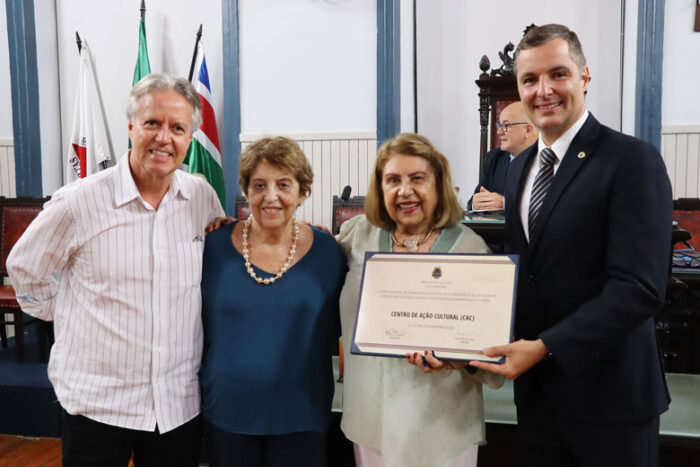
x=453, y=304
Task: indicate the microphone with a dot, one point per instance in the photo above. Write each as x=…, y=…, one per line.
x=344, y=197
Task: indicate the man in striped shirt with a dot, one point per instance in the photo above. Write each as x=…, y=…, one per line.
x=114, y=260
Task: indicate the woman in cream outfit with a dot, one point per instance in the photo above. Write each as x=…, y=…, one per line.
x=396, y=414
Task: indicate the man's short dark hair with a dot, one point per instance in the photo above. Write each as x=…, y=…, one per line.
x=542, y=34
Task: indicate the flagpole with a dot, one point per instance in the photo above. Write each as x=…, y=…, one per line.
x=194, y=54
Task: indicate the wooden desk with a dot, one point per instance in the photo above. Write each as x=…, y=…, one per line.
x=490, y=226
x=687, y=275
x=678, y=322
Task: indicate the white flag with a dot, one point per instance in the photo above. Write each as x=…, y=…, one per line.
x=89, y=145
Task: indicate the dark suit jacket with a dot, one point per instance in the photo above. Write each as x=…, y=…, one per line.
x=593, y=276
x=493, y=174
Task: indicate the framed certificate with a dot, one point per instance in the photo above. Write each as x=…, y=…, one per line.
x=453, y=304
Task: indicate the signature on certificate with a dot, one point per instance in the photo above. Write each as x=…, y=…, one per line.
x=394, y=333
x=464, y=338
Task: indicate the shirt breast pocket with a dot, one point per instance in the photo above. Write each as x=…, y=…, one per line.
x=189, y=263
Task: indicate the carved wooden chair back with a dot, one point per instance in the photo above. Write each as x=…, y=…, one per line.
x=15, y=216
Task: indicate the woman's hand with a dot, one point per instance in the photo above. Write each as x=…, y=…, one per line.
x=429, y=363
x=217, y=223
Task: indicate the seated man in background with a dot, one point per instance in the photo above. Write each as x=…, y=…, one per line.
x=516, y=133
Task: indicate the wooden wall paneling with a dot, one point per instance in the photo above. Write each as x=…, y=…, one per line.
x=364, y=166
x=681, y=165
x=354, y=165
x=344, y=168
x=693, y=171
x=669, y=148
x=326, y=201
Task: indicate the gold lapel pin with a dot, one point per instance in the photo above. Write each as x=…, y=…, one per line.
x=581, y=155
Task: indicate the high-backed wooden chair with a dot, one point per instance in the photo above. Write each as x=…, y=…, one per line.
x=16, y=214
x=242, y=210
x=497, y=89
x=342, y=211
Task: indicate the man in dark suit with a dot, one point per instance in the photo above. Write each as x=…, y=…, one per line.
x=516, y=133
x=592, y=226
x=492, y=180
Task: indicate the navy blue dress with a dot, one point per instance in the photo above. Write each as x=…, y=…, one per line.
x=267, y=366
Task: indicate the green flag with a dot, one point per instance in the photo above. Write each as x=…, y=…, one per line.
x=143, y=67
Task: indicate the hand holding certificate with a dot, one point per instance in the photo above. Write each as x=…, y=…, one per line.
x=453, y=304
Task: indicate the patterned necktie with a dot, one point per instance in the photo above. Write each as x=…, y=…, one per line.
x=541, y=185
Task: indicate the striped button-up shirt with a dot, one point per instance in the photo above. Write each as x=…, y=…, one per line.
x=121, y=282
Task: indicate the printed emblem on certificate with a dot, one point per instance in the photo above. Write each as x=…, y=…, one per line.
x=453, y=304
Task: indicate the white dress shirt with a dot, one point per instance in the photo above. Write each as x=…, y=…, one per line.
x=560, y=146
x=121, y=281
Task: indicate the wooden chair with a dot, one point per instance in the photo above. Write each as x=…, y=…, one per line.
x=242, y=210
x=16, y=214
x=342, y=211
x=686, y=212
x=678, y=323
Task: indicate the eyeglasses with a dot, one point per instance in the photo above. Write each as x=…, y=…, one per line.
x=504, y=126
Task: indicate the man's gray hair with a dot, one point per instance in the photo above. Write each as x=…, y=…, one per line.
x=164, y=82
x=543, y=34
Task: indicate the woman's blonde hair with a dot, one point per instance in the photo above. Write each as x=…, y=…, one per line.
x=448, y=212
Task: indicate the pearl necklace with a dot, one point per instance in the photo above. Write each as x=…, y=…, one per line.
x=411, y=244
x=285, y=266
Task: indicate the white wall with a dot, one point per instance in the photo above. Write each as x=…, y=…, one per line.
x=407, y=68
x=49, y=98
x=111, y=30
x=630, y=67
x=5, y=85
x=308, y=66
x=681, y=71
x=454, y=34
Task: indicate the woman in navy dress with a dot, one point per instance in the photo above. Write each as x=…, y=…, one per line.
x=270, y=290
